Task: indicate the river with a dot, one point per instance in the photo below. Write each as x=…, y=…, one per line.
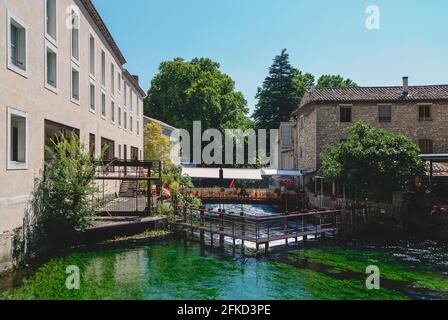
x=176, y=268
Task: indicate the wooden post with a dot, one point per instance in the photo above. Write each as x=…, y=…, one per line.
x=285, y=230
x=201, y=223
x=243, y=229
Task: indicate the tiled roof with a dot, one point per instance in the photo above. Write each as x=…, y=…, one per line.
x=90, y=7
x=375, y=94
x=440, y=169
x=134, y=82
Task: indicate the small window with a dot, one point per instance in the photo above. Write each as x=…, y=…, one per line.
x=17, y=36
x=131, y=93
x=92, y=55
x=346, y=114
x=92, y=145
x=112, y=111
x=119, y=116
x=125, y=96
x=75, y=84
x=51, y=24
x=426, y=146
x=138, y=127
x=119, y=151
x=17, y=140
x=112, y=78
x=125, y=118
x=131, y=122
x=51, y=66
x=103, y=105
x=385, y=113
x=119, y=82
x=103, y=68
x=75, y=36
x=424, y=112
x=92, y=97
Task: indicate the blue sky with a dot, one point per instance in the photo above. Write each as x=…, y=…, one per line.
x=322, y=37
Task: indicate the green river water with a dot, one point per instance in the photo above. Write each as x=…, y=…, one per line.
x=174, y=268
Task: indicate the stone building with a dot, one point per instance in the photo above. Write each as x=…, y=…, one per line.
x=287, y=151
x=419, y=112
x=60, y=72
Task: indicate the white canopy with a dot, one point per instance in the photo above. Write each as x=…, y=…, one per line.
x=242, y=174
x=238, y=174
x=210, y=173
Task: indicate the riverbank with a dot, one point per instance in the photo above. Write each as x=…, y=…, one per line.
x=173, y=267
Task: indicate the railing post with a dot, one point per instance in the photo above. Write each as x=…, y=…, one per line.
x=201, y=223
x=243, y=228
x=221, y=227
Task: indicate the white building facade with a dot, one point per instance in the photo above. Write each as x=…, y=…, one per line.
x=60, y=72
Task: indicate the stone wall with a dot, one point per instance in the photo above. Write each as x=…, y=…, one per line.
x=306, y=139
x=323, y=127
x=6, y=252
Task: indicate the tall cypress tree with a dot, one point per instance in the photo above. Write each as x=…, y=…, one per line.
x=281, y=93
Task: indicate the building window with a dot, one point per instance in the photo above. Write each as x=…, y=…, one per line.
x=385, y=113
x=17, y=140
x=424, y=112
x=286, y=137
x=92, y=146
x=92, y=56
x=112, y=111
x=103, y=105
x=346, y=113
x=119, y=151
x=92, y=97
x=75, y=36
x=125, y=118
x=108, y=146
x=131, y=93
x=138, y=127
x=17, y=44
x=125, y=96
x=75, y=84
x=51, y=67
x=426, y=146
x=103, y=68
x=119, y=82
x=50, y=16
x=112, y=78
x=119, y=116
x=131, y=122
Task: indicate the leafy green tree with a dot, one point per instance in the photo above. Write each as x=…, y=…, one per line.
x=335, y=81
x=157, y=146
x=371, y=162
x=196, y=90
x=280, y=93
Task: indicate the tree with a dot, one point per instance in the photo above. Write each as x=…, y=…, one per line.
x=196, y=90
x=280, y=93
x=157, y=146
x=332, y=81
x=372, y=163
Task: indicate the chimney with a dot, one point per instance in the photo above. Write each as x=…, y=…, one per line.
x=136, y=78
x=406, y=85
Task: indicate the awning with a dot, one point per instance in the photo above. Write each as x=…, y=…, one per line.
x=242, y=174
x=210, y=173
x=281, y=173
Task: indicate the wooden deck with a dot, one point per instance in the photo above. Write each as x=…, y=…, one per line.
x=299, y=226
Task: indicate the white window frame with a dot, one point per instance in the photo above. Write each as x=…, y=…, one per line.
x=119, y=120
x=103, y=68
x=131, y=123
x=77, y=61
x=92, y=83
x=103, y=94
x=92, y=54
x=52, y=47
x=125, y=120
x=138, y=128
x=50, y=38
x=119, y=81
x=125, y=94
x=112, y=80
x=11, y=66
x=13, y=165
x=76, y=67
x=131, y=103
x=113, y=112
